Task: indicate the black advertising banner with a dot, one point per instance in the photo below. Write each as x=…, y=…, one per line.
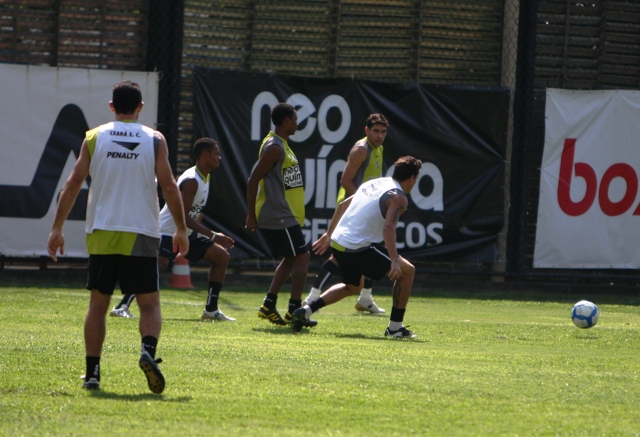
x=455, y=211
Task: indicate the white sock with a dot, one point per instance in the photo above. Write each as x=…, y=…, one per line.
x=307, y=309
x=315, y=292
x=394, y=326
x=365, y=295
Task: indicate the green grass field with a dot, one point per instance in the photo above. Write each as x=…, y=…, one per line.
x=483, y=365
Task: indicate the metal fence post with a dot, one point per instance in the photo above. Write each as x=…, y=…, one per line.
x=164, y=54
x=522, y=127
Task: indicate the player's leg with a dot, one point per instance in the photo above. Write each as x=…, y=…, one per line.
x=375, y=260
x=288, y=244
x=95, y=330
x=351, y=272
x=166, y=254
x=403, y=286
x=150, y=327
x=269, y=310
x=150, y=317
x=139, y=275
x=401, y=292
x=122, y=309
x=328, y=269
x=299, y=271
x=337, y=292
x=365, y=300
x=101, y=282
x=163, y=263
x=95, y=324
x=219, y=259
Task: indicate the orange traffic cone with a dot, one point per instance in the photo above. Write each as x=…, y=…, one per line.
x=181, y=275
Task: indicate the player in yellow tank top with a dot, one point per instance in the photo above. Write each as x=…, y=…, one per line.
x=279, y=214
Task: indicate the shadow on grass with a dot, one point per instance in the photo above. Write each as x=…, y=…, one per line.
x=176, y=319
x=588, y=337
x=198, y=321
x=305, y=331
x=379, y=338
x=514, y=293
x=142, y=397
x=278, y=330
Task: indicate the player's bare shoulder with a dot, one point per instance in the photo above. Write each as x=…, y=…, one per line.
x=397, y=202
x=158, y=136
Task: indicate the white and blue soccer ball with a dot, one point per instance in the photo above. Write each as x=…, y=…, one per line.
x=585, y=314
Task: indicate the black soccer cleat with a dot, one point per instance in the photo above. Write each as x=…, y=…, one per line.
x=308, y=323
x=271, y=315
x=92, y=384
x=299, y=319
x=149, y=366
x=400, y=333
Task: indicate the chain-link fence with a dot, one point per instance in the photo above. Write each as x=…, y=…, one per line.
x=524, y=45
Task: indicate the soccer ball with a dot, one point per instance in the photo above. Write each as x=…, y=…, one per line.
x=585, y=314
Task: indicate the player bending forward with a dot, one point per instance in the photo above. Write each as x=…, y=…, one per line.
x=362, y=236
x=203, y=242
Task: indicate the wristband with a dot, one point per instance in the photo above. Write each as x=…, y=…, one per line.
x=213, y=236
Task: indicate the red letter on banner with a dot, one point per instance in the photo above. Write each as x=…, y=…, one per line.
x=626, y=172
x=584, y=171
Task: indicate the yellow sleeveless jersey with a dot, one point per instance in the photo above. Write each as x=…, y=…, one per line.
x=280, y=200
x=371, y=168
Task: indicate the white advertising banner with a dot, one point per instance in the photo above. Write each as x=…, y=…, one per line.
x=589, y=209
x=44, y=114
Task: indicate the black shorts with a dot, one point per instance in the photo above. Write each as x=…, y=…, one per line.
x=198, y=246
x=372, y=262
x=135, y=274
x=285, y=242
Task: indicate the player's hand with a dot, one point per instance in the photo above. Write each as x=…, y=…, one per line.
x=224, y=241
x=322, y=244
x=55, y=242
x=395, y=272
x=251, y=223
x=180, y=243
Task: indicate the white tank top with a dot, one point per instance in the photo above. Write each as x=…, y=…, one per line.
x=363, y=222
x=167, y=223
x=123, y=193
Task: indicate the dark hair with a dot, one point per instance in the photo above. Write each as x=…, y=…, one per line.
x=376, y=119
x=126, y=97
x=280, y=112
x=203, y=144
x=406, y=166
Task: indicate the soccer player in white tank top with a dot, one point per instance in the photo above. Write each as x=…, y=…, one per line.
x=203, y=242
x=363, y=164
x=122, y=248
x=358, y=227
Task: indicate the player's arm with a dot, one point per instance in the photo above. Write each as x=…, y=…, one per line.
x=396, y=205
x=268, y=159
x=357, y=156
x=188, y=191
x=322, y=244
x=172, y=196
x=68, y=196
